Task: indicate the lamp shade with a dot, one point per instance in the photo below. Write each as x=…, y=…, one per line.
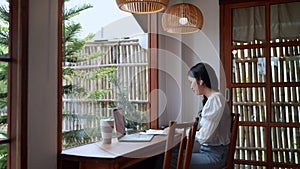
x=182, y=18
x=142, y=6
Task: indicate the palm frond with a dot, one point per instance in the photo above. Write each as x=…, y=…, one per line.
x=71, y=29
x=89, y=36
x=72, y=49
x=69, y=13
x=4, y=13
x=3, y=120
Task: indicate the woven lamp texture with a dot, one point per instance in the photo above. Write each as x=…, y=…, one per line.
x=142, y=6
x=182, y=18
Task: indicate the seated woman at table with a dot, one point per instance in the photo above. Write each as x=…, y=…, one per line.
x=215, y=119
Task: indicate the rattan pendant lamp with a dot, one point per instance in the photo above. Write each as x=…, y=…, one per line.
x=142, y=6
x=182, y=18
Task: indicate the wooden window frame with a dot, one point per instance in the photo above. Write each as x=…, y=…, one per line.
x=17, y=85
x=59, y=75
x=153, y=72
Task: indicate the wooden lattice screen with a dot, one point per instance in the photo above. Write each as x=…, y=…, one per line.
x=260, y=43
x=250, y=67
x=131, y=71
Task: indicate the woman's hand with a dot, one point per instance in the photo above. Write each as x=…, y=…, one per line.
x=177, y=131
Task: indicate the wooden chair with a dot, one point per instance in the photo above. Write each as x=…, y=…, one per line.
x=234, y=131
x=185, y=143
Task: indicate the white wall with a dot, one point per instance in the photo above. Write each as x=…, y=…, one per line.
x=178, y=53
x=42, y=85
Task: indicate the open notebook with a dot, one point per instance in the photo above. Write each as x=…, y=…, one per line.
x=121, y=133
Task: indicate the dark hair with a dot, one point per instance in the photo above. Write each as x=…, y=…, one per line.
x=204, y=72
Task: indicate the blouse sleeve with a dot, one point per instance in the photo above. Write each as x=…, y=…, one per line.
x=211, y=116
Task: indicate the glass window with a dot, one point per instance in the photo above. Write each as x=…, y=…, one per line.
x=285, y=22
x=4, y=28
x=250, y=104
x=285, y=145
x=285, y=105
x=103, y=69
x=3, y=99
x=285, y=63
x=5, y=60
x=251, y=143
x=249, y=65
x=248, y=25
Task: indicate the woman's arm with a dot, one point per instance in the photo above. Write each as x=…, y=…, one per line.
x=211, y=116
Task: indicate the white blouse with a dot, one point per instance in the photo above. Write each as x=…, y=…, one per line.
x=215, y=121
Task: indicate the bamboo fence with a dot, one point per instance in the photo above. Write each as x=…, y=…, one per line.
x=131, y=63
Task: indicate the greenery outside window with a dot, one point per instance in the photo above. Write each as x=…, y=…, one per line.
x=97, y=77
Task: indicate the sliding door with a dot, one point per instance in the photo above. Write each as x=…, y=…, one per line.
x=261, y=56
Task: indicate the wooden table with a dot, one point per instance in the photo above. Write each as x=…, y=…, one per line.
x=117, y=155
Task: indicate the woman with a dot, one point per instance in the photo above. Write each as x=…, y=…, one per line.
x=214, y=132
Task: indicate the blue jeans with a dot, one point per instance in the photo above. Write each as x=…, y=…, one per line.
x=210, y=157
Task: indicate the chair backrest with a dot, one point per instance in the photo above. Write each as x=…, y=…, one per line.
x=119, y=122
x=181, y=139
x=233, y=138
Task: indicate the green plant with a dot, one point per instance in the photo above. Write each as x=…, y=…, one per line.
x=134, y=119
x=3, y=85
x=4, y=30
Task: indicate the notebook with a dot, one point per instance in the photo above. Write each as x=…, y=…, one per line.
x=136, y=137
x=121, y=133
